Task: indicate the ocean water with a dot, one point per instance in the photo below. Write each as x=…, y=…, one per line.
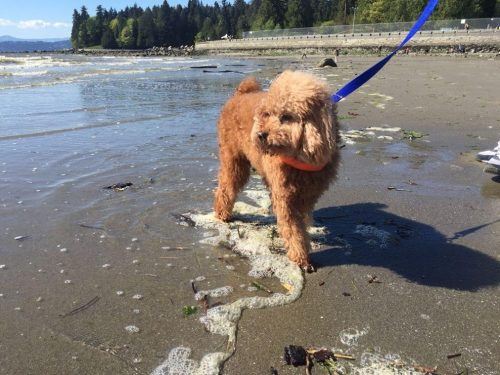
x=65, y=119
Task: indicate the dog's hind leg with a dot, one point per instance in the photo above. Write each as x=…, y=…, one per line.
x=233, y=175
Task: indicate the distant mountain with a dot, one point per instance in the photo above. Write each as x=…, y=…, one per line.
x=11, y=44
x=8, y=38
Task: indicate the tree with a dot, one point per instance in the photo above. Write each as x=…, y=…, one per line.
x=94, y=34
x=127, y=39
x=108, y=40
x=146, y=37
x=100, y=23
x=298, y=14
x=75, y=29
x=267, y=16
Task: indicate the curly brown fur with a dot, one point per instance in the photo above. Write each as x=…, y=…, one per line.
x=295, y=118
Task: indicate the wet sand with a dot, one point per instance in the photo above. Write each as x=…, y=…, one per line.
x=439, y=273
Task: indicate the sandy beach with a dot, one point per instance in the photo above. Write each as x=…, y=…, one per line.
x=94, y=281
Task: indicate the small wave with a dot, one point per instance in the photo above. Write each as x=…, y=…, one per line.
x=130, y=121
x=35, y=73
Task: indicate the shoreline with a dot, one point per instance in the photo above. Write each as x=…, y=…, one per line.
x=486, y=44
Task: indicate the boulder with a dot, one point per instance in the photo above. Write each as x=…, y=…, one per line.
x=327, y=62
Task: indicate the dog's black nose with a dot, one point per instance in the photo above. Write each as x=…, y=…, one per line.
x=262, y=135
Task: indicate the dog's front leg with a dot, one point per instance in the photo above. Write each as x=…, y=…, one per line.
x=293, y=230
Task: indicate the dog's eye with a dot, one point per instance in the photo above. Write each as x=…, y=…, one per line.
x=287, y=117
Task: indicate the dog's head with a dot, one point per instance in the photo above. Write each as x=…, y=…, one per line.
x=297, y=119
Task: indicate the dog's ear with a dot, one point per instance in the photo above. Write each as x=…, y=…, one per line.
x=319, y=137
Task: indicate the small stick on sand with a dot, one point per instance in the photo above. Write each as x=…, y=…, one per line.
x=262, y=287
x=344, y=356
x=84, y=307
x=193, y=286
x=91, y=226
x=309, y=365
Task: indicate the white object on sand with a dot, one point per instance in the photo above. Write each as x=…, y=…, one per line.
x=488, y=154
x=132, y=329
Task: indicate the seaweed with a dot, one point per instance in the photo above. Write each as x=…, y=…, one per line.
x=189, y=310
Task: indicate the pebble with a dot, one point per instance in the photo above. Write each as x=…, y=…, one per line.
x=138, y=296
x=165, y=247
x=136, y=311
x=132, y=329
x=67, y=281
x=39, y=299
x=120, y=292
x=17, y=308
x=62, y=272
x=106, y=266
x=1, y=295
x=137, y=360
x=63, y=250
x=135, y=261
x=135, y=239
x=3, y=266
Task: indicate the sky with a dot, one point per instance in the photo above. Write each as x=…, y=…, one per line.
x=40, y=19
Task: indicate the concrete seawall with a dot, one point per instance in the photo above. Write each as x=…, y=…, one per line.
x=487, y=41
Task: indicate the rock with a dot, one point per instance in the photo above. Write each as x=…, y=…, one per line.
x=327, y=62
x=295, y=355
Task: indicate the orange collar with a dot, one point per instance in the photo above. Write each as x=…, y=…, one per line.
x=297, y=164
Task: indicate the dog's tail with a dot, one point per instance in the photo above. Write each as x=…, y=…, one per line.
x=249, y=84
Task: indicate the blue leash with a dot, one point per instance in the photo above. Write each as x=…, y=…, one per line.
x=360, y=80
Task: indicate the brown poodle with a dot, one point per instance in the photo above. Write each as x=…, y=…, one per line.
x=290, y=136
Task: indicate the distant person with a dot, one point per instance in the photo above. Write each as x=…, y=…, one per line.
x=304, y=56
x=336, y=55
x=467, y=27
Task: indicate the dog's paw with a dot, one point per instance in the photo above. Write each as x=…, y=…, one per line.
x=223, y=216
x=309, y=268
x=303, y=262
